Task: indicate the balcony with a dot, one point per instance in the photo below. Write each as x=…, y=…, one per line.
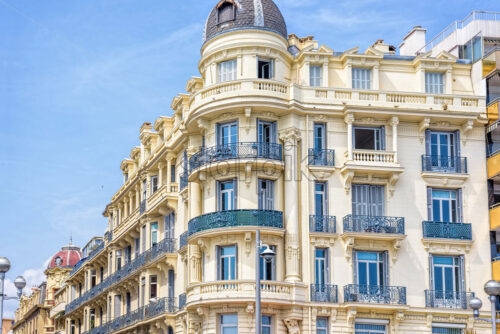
x=374, y=224
x=236, y=218
x=92, y=254
x=211, y=156
x=495, y=263
x=495, y=217
x=166, y=246
x=443, y=164
x=443, y=230
x=244, y=291
x=182, y=301
x=492, y=110
x=183, y=240
x=321, y=158
x=375, y=294
x=142, y=207
x=322, y=224
x=448, y=299
x=324, y=293
x=183, y=181
x=144, y=313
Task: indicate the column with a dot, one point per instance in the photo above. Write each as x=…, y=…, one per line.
x=130, y=204
x=161, y=165
x=194, y=264
x=394, y=123
x=349, y=119
x=376, y=79
x=291, y=215
x=137, y=196
x=195, y=199
x=325, y=82
x=169, y=173
x=448, y=81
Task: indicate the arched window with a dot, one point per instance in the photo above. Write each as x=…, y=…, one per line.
x=226, y=11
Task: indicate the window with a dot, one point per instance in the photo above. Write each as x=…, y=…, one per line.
x=101, y=275
x=125, y=176
x=369, y=329
x=171, y=283
x=442, y=149
x=109, y=308
x=371, y=268
x=73, y=327
x=266, y=194
x=321, y=266
x=128, y=303
x=443, y=330
x=321, y=199
x=361, y=78
x=319, y=136
x=265, y=68
x=144, y=189
x=268, y=268
x=93, y=278
x=227, y=70
x=227, y=195
x=144, y=238
x=226, y=12
x=170, y=226
x=136, y=248
x=229, y=324
x=172, y=173
x=446, y=275
x=367, y=138
x=227, y=134
x=315, y=75
x=434, y=83
x=266, y=326
x=118, y=305
x=92, y=318
x=118, y=259
x=226, y=263
x=128, y=254
x=154, y=184
x=368, y=200
x=321, y=325
x=154, y=234
x=153, y=286
x=267, y=132
x=445, y=205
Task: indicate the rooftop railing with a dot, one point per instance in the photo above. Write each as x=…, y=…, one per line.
x=236, y=218
x=235, y=151
x=322, y=224
x=444, y=164
x=444, y=230
x=448, y=299
x=378, y=294
x=166, y=246
x=324, y=293
x=324, y=158
x=374, y=224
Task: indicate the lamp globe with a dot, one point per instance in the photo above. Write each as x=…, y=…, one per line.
x=492, y=288
x=4, y=265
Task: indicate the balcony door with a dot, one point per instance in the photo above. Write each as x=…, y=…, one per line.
x=267, y=135
x=266, y=194
x=447, y=280
x=443, y=149
x=227, y=195
x=371, y=276
x=369, y=138
x=227, y=133
x=170, y=226
x=171, y=284
x=445, y=205
x=368, y=200
x=320, y=199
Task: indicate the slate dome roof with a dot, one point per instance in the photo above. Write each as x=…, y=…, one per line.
x=230, y=15
x=67, y=257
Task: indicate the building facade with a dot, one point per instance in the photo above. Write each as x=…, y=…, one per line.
x=359, y=168
x=34, y=313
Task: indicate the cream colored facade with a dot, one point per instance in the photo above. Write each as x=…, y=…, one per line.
x=171, y=281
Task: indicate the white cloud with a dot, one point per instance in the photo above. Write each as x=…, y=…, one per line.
x=34, y=277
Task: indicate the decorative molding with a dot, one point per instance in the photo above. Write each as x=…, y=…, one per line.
x=424, y=125
x=292, y=326
x=323, y=241
x=450, y=180
x=321, y=173
x=466, y=130
x=447, y=246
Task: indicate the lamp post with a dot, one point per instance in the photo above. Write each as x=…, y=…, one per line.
x=492, y=289
x=268, y=254
x=19, y=282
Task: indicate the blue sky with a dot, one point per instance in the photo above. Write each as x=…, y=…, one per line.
x=78, y=78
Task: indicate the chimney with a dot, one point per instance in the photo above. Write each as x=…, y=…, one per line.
x=385, y=48
x=413, y=41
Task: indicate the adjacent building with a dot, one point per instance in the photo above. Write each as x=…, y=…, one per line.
x=364, y=171
x=34, y=313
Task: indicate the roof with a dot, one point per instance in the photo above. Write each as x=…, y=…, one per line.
x=67, y=257
x=247, y=14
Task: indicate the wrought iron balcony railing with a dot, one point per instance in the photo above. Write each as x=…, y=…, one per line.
x=219, y=153
x=182, y=300
x=183, y=240
x=322, y=224
x=445, y=230
x=183, y=181
x=321, y=157
x=166, y=246
x=108, y=236
x=448, y=299
x=142, y=208
x=377, y=294
x=236, y=218
x=444, y=164
x=324, y=293
x=374, y=224
x=162, y=306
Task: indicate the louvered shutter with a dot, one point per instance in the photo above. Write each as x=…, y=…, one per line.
x=429, y=204
x=355, y=266
x=431, y=272
x=386, y=267
x=327, y=264
x=219, y=276
x=325, y=199
x=382, y=138
x=235, y=194
x=459, y=206
x=462, y=273
x=236, y=263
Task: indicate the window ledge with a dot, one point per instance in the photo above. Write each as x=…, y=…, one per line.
x=447, y=246
x=438, y=179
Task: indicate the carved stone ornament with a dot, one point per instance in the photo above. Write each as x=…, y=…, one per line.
x=292, y=325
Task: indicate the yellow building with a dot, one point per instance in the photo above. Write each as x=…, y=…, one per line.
x=359, y=168
x=33, y=314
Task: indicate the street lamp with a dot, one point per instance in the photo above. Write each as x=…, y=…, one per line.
x=267, y=254
x=19, y=282
x=492, y=289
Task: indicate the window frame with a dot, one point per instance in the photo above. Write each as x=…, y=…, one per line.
x=220, y=273
x=153, y=286
x=263, y=268
x=221, y=193
x=457, y=201
x=154, y=184
x=379, y=143
x=323, y=329
x=225, y=3
x=324, y=195
x=316, y=75
x=359, y=80
x=227, y=70
x=154, y=234
x=267, y=326
x=266, y=194
x=222, y=325
x=270, y=62
x=324, y=264
x=433, y=86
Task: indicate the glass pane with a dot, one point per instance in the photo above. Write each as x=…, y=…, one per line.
x=229, y=319
x=448, y=276
x=446, y=211
x=266, y=320
x=373, y=274
x=443, y=260
x=362, y=274
x=367, y=256
x=228, y=250
x=438, y=279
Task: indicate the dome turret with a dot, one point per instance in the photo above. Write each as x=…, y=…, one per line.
x=232, y=15
x=67, y=257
